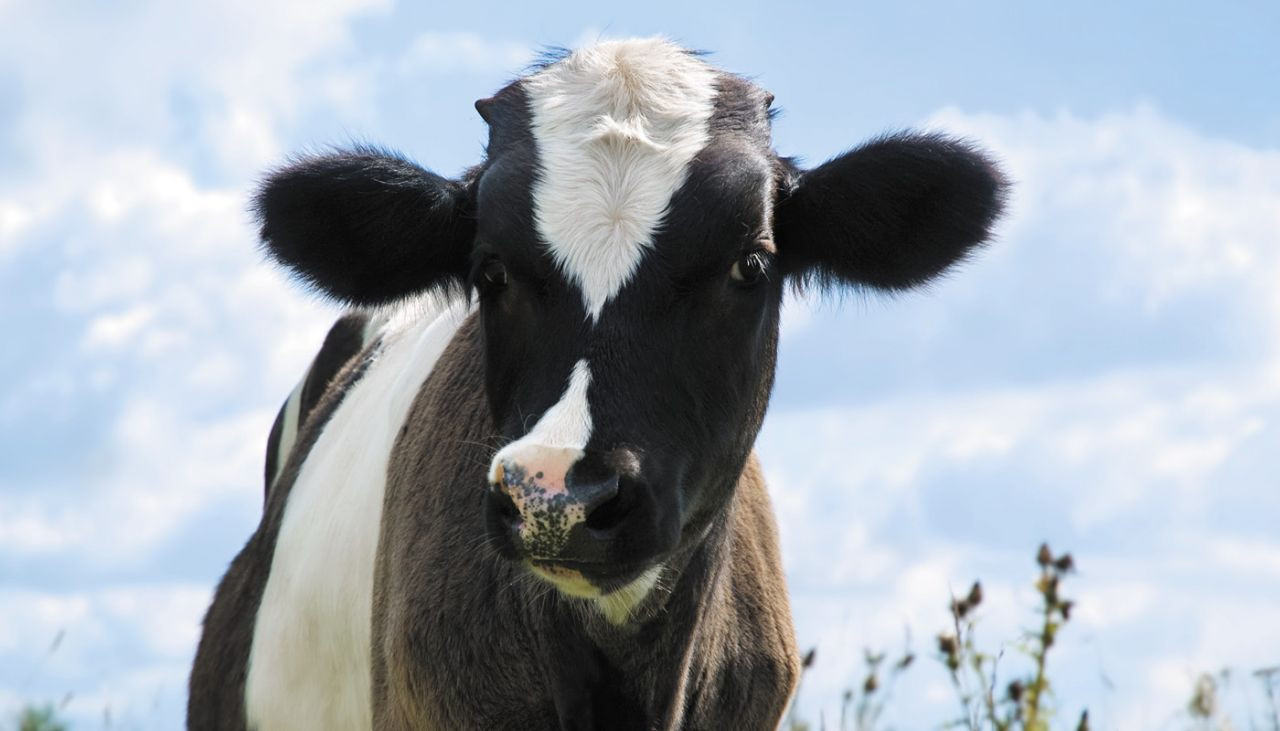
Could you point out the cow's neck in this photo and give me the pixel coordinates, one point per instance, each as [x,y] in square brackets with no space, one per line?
[636,673]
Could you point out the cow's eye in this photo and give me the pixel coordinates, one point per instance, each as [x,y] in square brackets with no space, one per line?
[749,268]
[493,275]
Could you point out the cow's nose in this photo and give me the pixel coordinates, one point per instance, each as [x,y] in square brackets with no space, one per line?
[556,505]
[592,495]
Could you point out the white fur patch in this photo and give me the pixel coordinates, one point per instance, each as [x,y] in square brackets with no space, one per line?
[568,422]
[616,125]
[309,667]
[566,425]
[289,427]
[292,422]
[618,606]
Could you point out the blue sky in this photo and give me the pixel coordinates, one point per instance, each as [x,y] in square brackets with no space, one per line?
[1105,376]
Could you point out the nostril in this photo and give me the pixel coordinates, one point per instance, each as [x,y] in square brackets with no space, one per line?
[608,514]
[597,488]
[505,507]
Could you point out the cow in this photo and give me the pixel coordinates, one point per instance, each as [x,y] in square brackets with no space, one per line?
[527,497]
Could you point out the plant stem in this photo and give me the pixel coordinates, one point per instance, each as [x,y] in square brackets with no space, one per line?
[1041,653]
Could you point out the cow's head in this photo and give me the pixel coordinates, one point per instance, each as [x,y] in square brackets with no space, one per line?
[628,238]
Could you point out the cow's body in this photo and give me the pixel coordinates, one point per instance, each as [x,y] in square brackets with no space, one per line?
[527,497]
[479,645]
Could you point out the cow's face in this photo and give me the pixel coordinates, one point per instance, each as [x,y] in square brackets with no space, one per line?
[625,266]
[627,239]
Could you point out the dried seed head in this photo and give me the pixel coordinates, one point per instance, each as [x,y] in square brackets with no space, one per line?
[975,594]
[1044,556]
[870,684]
[1065,608]
[1015,691]
[1065,564]
[807,661]
[950,651]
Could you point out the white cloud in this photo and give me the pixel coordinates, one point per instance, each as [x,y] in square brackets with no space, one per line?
[165,469]
[443,53]
[13,218]
[244,66]
[158,269]
[1101,606]
[194,339]
[797,315]
[123,650]
[1254,557]
[1185,213]
[164,281]
[171,287]
[1153,471]
[170,342]
[115,329]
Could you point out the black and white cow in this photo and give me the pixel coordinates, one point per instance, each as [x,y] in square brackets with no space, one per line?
[527,499]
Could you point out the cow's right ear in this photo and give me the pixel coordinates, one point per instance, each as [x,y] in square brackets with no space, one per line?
[366,227]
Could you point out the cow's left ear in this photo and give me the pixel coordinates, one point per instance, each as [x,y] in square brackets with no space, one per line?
[891,214]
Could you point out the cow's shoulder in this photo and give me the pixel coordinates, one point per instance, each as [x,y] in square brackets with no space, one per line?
[348,337]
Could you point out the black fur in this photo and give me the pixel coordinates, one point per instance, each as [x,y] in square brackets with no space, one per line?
[365,226]
[271,466]
[891,214]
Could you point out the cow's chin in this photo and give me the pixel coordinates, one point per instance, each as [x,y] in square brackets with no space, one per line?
[617,594]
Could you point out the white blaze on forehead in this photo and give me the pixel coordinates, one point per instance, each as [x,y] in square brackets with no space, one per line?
[616,126]
[566,425]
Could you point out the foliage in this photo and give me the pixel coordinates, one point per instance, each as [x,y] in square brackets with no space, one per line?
[39,718]
[1024,703]
[862,707]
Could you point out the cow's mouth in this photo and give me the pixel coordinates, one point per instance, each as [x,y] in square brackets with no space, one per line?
[589,579]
